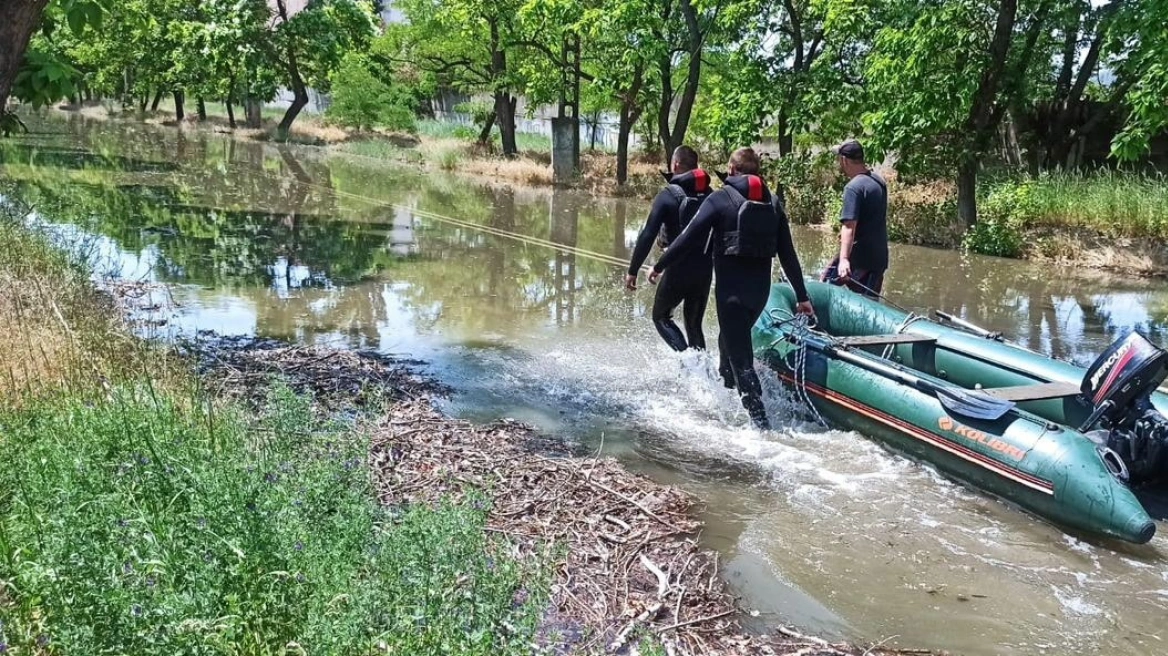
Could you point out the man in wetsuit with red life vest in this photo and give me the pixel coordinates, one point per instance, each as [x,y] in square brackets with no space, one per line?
[689,281]
[743,227]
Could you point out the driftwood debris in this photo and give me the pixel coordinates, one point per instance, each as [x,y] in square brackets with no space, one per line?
[631,562]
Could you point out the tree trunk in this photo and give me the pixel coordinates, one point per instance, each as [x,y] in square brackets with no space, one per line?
[230,102]
[142,104]
[504,103]
[21,18]
[673,137]
[786,138]
[253,113]
[201,107]
[300,98]
[967,192]
[300,92]
[485,133]
[630,112]
[179,110]
[505,113]
[157,99]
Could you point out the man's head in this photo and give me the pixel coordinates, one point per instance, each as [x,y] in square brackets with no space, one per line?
[684,159]
[850,156]
[744,161]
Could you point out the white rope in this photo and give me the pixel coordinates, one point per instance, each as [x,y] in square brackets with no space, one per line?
[908,321]
[801,331]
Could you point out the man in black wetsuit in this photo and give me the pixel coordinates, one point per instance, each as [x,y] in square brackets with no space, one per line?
[744,228]
[688,282]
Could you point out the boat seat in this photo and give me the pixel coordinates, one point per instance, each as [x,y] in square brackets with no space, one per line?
[1036,392]
[881,340]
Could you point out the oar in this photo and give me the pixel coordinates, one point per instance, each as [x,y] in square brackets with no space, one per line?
[973,328]
[955,399]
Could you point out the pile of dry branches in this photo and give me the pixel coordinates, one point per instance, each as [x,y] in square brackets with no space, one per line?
[242,368]
[630,562]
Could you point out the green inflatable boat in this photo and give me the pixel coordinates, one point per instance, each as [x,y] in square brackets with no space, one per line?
[1065,443]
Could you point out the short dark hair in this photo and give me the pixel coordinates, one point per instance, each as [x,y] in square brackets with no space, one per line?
[745,161]
[685,156]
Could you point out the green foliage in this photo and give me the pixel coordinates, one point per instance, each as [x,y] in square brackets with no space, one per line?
[322,34]
[1002,221]
[146,524]
[1141,41]
[1111,203]
[44,79]
[364,101]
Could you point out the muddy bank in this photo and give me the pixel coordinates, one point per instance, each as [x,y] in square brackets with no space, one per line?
[627,558]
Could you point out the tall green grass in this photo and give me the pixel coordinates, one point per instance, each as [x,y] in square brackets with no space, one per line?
[144,524]
[1114,203]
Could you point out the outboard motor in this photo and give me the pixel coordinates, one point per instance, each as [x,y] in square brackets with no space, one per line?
[1118,386]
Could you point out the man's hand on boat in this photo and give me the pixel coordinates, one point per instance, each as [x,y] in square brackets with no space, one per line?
[843,270]
[805,308]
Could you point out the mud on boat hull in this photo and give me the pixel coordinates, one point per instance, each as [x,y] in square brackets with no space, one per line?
[1038,463]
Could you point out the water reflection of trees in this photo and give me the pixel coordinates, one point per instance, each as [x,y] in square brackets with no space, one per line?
[1069,315]
[263,219]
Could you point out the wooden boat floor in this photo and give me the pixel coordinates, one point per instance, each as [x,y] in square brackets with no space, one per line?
[1039,392]
[881,340]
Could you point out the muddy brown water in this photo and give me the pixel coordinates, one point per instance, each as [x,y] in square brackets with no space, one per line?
[512,295]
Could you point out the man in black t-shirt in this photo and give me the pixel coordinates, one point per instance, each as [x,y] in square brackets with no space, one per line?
[863,255]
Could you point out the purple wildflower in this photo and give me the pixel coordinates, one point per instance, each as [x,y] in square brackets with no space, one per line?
[128,567]
[43,640]
[3,647]
[136,611]
[251,506]
[271,477]
[201,522]
[519,598]
[150,581]
[299,546]
[300,578]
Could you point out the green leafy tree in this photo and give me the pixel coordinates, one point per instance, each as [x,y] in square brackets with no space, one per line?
[42,77]
[468,45]
[311,43]
[945,81]
[1141,39]
[363,100]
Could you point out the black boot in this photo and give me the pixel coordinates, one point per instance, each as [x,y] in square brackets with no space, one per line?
[724,368]
[751,389]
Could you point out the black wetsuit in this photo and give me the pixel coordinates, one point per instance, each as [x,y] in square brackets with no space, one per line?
[742,284]
[687,282]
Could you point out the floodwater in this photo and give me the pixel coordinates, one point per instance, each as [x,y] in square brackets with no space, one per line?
[512,296]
